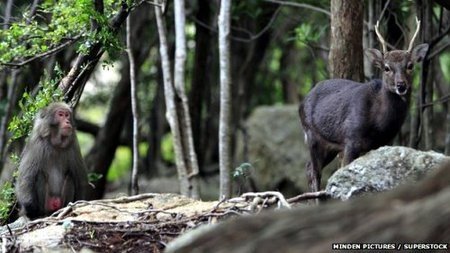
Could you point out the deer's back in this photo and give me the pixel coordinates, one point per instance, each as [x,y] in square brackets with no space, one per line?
[333,107]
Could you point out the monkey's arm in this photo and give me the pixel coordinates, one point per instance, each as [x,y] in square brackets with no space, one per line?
[30,177]
[78,171]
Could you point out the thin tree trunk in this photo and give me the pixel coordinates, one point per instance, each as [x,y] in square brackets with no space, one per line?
[225,100]
[134,110]
[200,84]
[427,76]
[187,187]
[102,153]
[7,16]
[421,121]
[179,83]
[156,123]
[373,13]
[11,89]
[443,90]
[447,126]
[11,101]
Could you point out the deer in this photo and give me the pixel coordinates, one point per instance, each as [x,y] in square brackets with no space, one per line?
[350,118]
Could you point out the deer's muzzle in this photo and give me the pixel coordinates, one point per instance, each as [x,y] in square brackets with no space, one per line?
[401,88]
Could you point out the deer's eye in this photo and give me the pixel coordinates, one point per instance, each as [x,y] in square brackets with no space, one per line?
[386,68]
[410,66]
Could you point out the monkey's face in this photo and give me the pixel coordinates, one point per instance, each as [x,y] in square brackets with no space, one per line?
[63,119]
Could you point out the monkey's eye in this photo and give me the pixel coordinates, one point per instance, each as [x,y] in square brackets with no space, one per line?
[386,68]
[410,66]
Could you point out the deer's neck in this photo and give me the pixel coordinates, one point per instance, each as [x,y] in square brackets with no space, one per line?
[391,107]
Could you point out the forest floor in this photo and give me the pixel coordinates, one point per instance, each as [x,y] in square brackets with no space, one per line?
[141,223]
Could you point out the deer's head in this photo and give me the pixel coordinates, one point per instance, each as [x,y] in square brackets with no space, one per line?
[397,65]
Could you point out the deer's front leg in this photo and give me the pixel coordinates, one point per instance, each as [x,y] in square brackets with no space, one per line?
[351,152]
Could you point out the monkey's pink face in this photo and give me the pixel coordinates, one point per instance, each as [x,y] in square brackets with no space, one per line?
[63,118]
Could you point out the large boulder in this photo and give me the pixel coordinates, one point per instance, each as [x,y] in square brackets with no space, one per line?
[276,149]
[381,170]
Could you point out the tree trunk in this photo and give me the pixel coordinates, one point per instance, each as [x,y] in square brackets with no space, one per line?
[11,102]
[101,155]
[7,17]
[427,76]
[184,154]
[373,13]
[134,111]
[200,85]
[289,86]
[73,83]
[414,213]
[187,143]
[225,100]
[346,53]
[156,123]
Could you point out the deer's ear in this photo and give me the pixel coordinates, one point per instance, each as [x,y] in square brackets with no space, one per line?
[419,52]
[375,57]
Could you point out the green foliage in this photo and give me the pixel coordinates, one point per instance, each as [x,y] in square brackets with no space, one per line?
[15,158]
[30,104]
[93,177]
[120,165]
[251,8]
[70,19]
[7,199]
[167,152]
[307,33]
[444,60]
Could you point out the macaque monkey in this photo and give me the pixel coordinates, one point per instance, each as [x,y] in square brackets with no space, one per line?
[52,172]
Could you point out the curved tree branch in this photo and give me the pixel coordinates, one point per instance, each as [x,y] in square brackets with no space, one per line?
[73,83]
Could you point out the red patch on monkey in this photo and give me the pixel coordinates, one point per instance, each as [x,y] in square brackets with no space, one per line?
[54,203]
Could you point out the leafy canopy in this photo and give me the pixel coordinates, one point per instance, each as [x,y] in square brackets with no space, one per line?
[54,23]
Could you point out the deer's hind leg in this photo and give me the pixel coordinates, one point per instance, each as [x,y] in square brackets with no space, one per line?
[321,156]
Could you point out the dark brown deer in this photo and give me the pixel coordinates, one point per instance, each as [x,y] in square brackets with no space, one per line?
[351,118]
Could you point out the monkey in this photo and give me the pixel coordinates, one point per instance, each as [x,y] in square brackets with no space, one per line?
[52,172]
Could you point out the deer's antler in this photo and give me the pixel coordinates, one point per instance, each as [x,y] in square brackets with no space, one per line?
[380,38]
[411,43]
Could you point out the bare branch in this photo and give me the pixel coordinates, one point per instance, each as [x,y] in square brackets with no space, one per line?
[84,65]
[308,195]
[134,109]
[32,12]
[300,5]
[281,200]
[42,55]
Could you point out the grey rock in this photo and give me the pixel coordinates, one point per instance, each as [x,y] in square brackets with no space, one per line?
[381,170]
[276,149]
